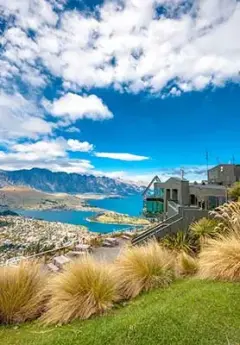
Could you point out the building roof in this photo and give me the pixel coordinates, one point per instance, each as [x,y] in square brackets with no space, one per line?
[223,165]
[177,179]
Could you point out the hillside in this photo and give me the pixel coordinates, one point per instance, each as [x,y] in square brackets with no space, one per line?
[22,197]
[189,312]
[48,181]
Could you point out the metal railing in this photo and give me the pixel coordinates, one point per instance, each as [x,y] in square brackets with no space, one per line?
[151,232]
[50,253]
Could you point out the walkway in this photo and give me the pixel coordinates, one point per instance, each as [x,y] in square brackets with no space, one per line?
[109,254]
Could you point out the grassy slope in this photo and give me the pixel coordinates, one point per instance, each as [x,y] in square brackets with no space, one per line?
[189,312]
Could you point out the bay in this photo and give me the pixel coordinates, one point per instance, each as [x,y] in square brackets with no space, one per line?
[130,205]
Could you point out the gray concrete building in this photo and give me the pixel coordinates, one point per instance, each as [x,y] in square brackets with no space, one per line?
[186,194]
[224,174]
[176,203]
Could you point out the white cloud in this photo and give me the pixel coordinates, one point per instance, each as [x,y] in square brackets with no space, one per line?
[121,156]
[41,149]
[148,51]
[79,146]
[125,45]
[49,154]
[183,47]
[16,161]
[20,117]
[30,13]
[72,129]
[79,107]
[191,173]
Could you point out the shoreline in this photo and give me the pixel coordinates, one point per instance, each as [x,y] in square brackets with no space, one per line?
[80,209]
[24,198]
[92,196]
[116,218]
[127,224]
[23,236]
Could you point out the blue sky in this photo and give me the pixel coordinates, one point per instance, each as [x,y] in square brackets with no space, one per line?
[126,89]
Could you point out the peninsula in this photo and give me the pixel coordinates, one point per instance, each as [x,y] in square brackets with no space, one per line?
[118,218]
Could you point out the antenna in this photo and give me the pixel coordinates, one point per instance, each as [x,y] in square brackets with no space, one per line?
[207,161]
[182,174]
[233,159]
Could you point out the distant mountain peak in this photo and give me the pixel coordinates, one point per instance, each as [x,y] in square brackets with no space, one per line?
[48,181]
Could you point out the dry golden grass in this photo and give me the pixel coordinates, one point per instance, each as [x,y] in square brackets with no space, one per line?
[186,264]
[84,288]
[144,268]
[22,293]
[220,258]
[228,217]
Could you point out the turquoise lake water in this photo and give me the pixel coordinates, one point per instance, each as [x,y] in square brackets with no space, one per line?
[130,205]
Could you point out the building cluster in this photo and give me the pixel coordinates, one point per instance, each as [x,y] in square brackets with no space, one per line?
[180,192]
[21,236]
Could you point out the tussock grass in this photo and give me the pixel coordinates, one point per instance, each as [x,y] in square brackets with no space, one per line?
[181,241]
[204,228]
[85,288]
[186,264]
[228,217]
[144,268]
[220,258]
[22,293]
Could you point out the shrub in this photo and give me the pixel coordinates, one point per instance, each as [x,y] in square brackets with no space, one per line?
[179,242]
[186,264]
[144,268]
[96,241]
[234,191]
[21,292]
[84,288]
[220,258]
[204,228]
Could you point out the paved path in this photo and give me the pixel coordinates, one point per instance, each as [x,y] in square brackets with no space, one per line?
[109,254]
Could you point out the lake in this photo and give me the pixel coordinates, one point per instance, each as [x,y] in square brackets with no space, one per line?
[131,205]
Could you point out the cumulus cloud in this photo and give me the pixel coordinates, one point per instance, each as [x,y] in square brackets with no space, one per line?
[40,149]
[162,44]
[79,146]
[79,107]
[50,154]
[14,161]
[72,129]
[163,47]
[20,117]
[121,156]
[30,13]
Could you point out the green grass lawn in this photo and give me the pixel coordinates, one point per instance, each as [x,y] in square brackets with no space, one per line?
[190,312]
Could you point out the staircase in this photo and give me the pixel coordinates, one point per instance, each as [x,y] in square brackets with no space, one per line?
[180,217]
[159,230]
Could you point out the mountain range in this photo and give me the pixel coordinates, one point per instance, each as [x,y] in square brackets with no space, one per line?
[61,182]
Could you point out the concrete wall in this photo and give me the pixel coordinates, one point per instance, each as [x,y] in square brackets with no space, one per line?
[182,187]
[202,191]
[191,215]
[175,188]
[173,209]
[222,174]
[185,192]
[187,216]
[237,172]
